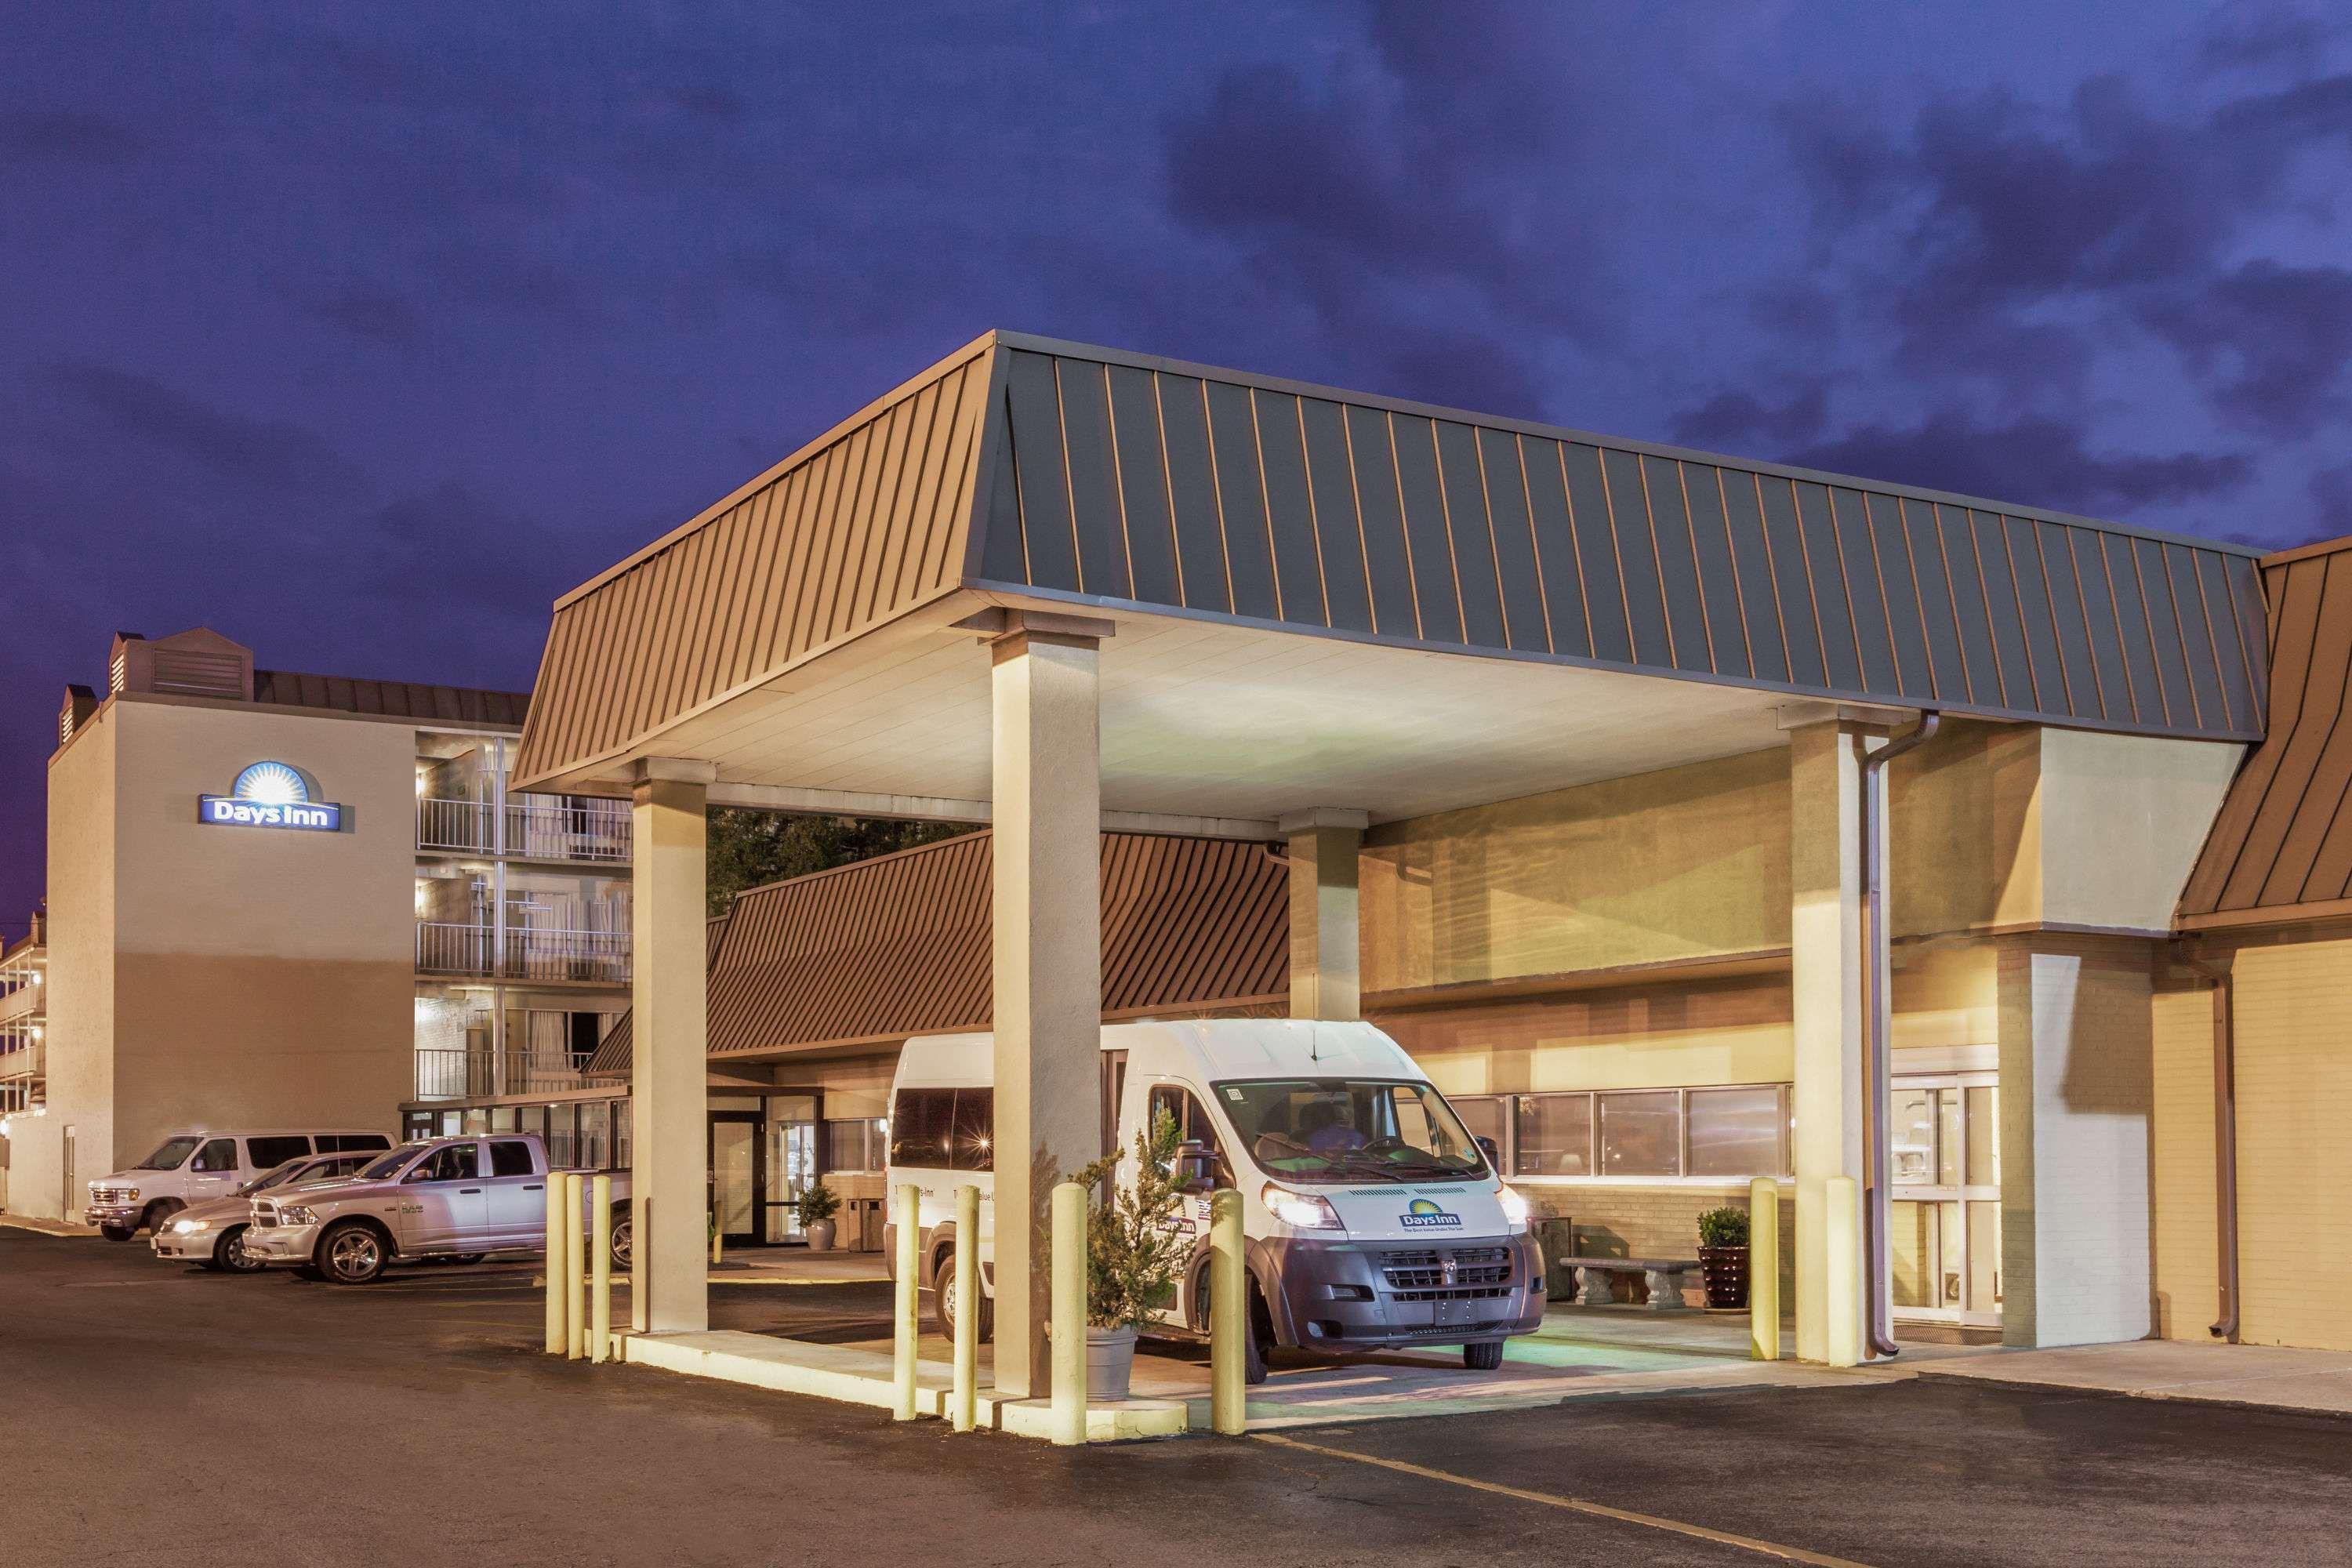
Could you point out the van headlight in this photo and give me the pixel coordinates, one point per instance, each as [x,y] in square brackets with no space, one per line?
[1302,1211]
[190,1227]
[1515,1209]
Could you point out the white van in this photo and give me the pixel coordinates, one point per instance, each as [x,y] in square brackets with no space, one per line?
[198,1164]
[1374,1220]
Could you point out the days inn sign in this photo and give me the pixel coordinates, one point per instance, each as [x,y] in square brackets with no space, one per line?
[270,794]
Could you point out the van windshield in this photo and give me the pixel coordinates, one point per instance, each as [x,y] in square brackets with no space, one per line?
[1351,1130]
[170,1156]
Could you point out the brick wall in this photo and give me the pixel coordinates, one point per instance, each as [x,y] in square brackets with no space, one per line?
[1614,1221]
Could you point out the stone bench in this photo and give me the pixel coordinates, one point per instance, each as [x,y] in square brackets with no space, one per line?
[1662,1275]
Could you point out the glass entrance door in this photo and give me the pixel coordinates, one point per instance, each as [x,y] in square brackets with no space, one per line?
[736,1175]
[1944,1217]
[792,1161]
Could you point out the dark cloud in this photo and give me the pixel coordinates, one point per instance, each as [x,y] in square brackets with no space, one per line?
[262,455]
[1739,418]
[2271,342]
[66,136]
[2029,460]
[379,317]
[450,544]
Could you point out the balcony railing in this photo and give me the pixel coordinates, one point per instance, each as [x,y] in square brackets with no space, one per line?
[22,1056]
[530,953]
[450,1073]
[537,828]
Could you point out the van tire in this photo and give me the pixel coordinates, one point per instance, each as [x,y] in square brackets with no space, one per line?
[117,1232]
[1483,1355]
[1261,1334]
[159,1215]
[943,1292]
[354,1252]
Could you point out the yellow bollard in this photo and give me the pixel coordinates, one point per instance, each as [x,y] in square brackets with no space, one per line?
[1840,1229]
[963,1409]
[600,1269]
[575,1327]
[1764,1269]
[556,1330]
[717,1242]
[1069,1314]
[905,1310]
[1228,1316]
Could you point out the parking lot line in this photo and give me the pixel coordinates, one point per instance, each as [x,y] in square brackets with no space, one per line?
[1575,1505]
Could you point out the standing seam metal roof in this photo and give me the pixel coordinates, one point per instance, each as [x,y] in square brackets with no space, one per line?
[1062,471]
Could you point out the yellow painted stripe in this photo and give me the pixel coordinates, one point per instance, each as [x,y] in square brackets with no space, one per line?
[1575,1505]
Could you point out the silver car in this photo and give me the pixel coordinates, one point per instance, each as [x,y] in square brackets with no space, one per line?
[213,1233]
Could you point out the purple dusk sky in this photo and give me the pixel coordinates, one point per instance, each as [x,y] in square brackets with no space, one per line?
[358,333]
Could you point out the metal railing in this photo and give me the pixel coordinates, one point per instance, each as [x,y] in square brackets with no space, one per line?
[536,827]
[530,953]
[451,1073]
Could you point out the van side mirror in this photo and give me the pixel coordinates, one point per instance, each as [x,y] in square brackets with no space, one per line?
[1493,1150]
[1196,1168]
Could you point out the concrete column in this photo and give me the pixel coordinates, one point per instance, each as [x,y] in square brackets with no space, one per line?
[2077,1090]
[1825,989]
[1047,814]
[1326,957]
[668,1110]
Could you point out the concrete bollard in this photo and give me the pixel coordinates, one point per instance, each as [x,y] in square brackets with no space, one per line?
[1764,1269]
[600,1269]
[717,1242]
[963,1407]
[1228,1316]
[1069,1314]
[556,1328]
[1840,1229]
[575,1218]
[905,1316]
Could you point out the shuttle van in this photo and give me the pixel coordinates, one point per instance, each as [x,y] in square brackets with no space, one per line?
[1374,1221]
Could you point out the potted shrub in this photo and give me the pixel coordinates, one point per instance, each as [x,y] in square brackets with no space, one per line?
[1134,1253]
[817,1208]
[1723,1257]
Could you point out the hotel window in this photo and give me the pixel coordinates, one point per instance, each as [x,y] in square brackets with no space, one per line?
[1485,1116]
[852,1146]
[1722,1133]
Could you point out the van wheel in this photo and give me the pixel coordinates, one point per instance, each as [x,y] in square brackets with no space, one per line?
[1261,1335]
[943,1292]
[117,1232]
[159,1215]
[351,1253]
[229,1253]
[1484,1356]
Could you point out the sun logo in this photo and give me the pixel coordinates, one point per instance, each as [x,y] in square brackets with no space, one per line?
[271,783]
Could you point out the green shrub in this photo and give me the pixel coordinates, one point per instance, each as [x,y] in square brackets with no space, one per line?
[818,1203]
[1723,1227]
[1136,1246]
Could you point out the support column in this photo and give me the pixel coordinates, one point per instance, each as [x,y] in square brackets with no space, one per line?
[1326,955]
[1826,991]
[668,1105]
[1047,815]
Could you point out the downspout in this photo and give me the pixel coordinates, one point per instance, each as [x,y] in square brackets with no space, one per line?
[1878,1334]
[2225,1137]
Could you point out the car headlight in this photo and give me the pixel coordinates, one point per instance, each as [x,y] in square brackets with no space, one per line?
[1303,1211]
[297,1214]
[190,1227]
[1515,1209]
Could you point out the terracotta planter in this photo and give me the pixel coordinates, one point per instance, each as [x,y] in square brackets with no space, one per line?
[1724,1271]
[820,1236]
[1111,1361]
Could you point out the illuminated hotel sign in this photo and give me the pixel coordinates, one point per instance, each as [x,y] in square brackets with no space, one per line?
[270,794]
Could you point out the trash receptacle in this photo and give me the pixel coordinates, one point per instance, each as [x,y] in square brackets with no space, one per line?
[1557,1238]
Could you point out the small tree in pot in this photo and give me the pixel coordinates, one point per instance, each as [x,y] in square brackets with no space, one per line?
[817,1208]
[1136,1248]
[1723,1255]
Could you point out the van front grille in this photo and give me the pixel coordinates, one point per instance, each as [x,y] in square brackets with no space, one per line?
[1432,1273]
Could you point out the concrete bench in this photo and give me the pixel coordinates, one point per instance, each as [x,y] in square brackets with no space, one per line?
[1662,1275]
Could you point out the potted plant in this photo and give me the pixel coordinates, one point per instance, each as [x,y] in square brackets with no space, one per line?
[817,1206]
[1134,1252]
[1723,1257]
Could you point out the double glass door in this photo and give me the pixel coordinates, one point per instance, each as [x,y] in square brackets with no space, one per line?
[1944,1209]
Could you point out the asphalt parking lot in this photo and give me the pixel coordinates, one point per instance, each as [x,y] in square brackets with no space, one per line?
[155,1412]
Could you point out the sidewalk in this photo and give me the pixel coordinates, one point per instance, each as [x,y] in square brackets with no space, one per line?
[796,1265]
[46,1226]
[2268,1377]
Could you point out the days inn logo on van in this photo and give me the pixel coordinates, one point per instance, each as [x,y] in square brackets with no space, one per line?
[1423,1215]
[270,794]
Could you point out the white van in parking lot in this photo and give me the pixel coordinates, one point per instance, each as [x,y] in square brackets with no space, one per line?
[1374,1220]
[198,1164]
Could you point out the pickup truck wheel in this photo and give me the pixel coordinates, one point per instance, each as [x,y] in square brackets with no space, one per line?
[351,1253]
[229,1253]
[624,1236]
[943,1292]
[466,1259]
[1484,1356]
[117,1232]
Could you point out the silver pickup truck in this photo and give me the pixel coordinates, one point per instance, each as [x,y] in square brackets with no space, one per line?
[457,1198]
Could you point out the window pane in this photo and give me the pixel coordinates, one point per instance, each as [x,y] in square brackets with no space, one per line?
[510,1157]
[1912,1253]
[268,1151]
[845,1145]
[1481,1113]
[972,1145]
[1984,1137]
[559,1137]
[1640,1135]
[220,1154]
[595,1134]
[1554,1135]
[1911,1135]
[1949,1142]
[1735,1132]
[920,1122]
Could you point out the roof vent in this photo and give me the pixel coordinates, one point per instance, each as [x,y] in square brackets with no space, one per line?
[198,663]
[74,712]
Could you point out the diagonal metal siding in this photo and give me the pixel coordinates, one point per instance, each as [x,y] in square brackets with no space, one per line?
[1160,485]
[854,529]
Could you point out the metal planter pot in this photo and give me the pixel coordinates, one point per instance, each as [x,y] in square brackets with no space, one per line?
[1110,1363]
[1725,1272]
